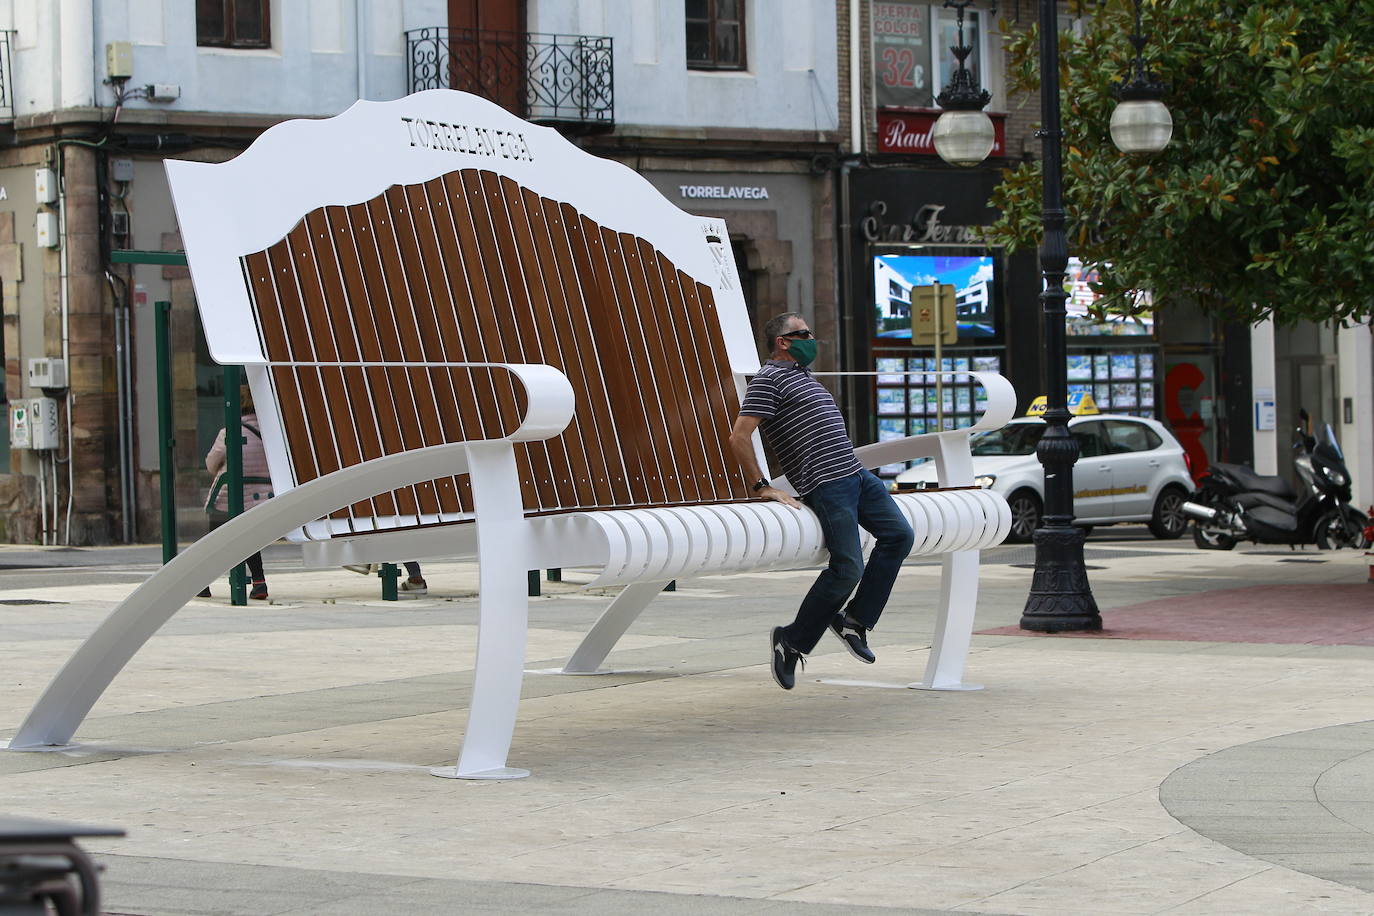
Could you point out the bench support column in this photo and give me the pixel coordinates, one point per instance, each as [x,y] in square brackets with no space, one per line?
[502,548]
[954,625]
[610,626]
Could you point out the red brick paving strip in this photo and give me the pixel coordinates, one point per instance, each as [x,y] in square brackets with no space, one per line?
[1319,615]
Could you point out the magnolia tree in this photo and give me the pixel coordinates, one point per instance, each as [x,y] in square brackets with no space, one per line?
[1263,204]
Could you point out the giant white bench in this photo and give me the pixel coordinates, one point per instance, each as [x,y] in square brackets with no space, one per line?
[453,323]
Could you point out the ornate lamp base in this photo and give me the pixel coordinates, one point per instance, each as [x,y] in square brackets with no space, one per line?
[1060,598]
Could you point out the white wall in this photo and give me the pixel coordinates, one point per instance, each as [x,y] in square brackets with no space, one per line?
[311,68]
[1262,381]
[1356,349]
[791,82]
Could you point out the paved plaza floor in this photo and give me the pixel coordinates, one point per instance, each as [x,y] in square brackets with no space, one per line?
[1212,752]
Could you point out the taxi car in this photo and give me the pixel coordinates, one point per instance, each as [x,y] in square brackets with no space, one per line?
[1129,469]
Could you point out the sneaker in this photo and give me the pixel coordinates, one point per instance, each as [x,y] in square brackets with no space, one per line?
[785,660]
[854,637]
[258,592]
[414,587]
[362,569]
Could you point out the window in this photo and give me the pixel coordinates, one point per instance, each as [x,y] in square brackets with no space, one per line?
[715,34]
[233,24]
[943,62]
[1125,436]
[1089,436]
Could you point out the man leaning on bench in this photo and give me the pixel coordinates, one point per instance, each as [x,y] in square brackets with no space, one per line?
[449,349]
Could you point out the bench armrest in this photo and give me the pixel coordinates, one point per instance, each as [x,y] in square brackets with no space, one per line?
[949,448]
[550,400]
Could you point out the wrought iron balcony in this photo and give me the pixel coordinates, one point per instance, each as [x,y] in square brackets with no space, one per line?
[541,77]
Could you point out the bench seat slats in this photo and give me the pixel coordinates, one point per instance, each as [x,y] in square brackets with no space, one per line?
[438,400]
[365,443]
[472,267]
[563,309]
[663,339]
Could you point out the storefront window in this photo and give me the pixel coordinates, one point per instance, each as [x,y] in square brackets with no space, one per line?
[906,73]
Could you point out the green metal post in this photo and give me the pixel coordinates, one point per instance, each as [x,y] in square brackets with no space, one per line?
[166,434]
[233,472]
[390,572]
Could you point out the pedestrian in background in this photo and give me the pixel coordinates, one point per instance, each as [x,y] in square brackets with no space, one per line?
[257,485]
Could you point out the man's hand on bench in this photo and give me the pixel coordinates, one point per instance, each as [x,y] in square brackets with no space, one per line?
[787,499]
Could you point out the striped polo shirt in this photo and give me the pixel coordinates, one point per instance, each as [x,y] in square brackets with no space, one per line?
[802,423]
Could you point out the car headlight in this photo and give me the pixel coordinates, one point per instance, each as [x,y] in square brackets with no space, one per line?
[985,480]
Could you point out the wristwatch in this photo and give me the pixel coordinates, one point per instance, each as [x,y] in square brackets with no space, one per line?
[760,484]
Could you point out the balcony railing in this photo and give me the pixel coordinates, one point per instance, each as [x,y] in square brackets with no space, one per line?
[542,77]
[6,81]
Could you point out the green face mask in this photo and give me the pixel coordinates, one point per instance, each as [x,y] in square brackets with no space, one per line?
[803,351]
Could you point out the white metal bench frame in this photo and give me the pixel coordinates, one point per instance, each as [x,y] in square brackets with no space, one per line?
[230,210]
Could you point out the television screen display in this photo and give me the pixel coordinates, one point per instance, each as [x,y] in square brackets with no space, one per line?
[975,293]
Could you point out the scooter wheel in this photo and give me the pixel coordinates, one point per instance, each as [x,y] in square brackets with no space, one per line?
[1343,527]
[1212,540]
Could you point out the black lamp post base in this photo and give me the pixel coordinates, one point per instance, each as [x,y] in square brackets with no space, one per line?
[1060,598]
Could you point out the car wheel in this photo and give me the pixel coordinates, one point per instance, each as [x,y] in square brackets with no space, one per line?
[1207,539]
[1168,521]
[1025,516]
[1343,527]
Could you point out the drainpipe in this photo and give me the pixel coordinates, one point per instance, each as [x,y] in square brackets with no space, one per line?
[360,46]
[856,145]
[856,110]
[76,67]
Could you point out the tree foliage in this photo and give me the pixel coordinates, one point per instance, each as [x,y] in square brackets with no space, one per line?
[1263,203]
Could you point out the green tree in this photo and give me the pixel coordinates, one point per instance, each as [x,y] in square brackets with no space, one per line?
[1263,203]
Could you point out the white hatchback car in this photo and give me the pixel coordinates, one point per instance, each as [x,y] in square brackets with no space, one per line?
[1129,469]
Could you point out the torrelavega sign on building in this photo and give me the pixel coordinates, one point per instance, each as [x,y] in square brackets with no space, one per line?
[924,226]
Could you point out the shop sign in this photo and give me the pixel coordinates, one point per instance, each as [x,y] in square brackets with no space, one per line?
[909,132]
[723,192]
[924,226]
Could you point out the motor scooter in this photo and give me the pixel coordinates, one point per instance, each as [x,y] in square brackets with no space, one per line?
[1232,503]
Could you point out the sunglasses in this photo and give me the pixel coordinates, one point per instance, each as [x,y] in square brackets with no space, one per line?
[803,334]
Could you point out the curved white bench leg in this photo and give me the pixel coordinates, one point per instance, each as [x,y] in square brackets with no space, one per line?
[610,626]
[503,559]
[69,698]
[954,625]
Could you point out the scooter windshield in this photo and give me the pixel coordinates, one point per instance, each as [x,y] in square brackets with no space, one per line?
[1331,443]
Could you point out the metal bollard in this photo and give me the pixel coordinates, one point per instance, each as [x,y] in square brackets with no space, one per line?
[389,574]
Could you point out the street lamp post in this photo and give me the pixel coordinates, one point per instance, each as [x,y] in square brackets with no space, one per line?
[1060,597]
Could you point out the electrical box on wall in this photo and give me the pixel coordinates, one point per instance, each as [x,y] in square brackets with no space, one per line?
[45,229]
[119,60]
[47,372]
[33,424]
[42,423]
[163,92]
[122,169]
[45,186]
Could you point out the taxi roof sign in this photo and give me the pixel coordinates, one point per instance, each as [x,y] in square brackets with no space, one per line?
[1081,404]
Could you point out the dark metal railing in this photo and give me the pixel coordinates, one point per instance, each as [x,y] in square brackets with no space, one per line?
[541,77]
[6,81]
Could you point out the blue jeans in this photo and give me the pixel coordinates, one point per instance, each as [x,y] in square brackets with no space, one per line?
[842,506]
